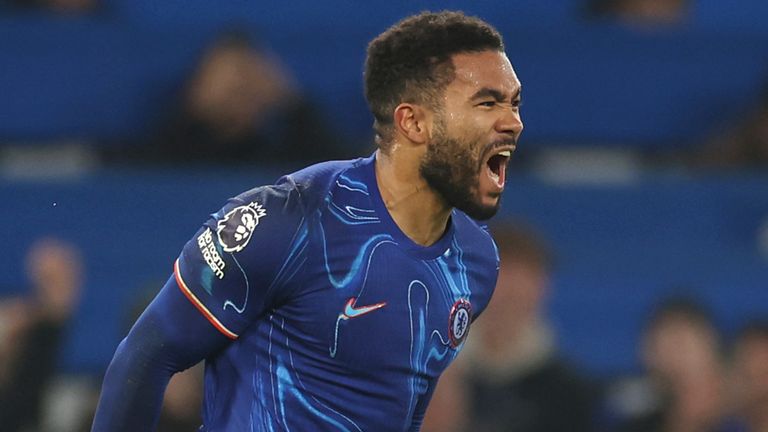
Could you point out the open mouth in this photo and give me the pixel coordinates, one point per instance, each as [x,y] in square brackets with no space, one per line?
[497,166]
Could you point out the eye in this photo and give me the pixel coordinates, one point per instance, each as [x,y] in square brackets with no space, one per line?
[487,104]
[517,103]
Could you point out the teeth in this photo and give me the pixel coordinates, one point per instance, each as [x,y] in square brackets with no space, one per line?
[506,153]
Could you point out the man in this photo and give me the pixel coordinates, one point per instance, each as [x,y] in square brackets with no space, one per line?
[33,328]
[240,106]
[333,299]
[684,387]
[749,386]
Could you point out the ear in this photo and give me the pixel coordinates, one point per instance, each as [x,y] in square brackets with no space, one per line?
[413,121]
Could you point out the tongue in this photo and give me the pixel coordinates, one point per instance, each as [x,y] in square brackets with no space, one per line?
[497,170]
[501,170]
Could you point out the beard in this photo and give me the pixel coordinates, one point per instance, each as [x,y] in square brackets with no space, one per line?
[452,168]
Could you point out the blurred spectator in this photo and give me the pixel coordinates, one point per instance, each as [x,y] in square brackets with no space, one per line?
[642,12]
[240,107]
[750,377]
[32,329]
[684,389]
[183,401]
[510,376]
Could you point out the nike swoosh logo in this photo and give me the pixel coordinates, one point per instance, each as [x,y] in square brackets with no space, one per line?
[350,311]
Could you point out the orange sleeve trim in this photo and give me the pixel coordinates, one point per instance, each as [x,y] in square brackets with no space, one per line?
[199,305]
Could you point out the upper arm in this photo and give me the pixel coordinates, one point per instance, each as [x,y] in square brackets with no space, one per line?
[224,276]
[229,268]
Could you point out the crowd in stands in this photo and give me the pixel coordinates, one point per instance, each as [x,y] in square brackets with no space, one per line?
[511,375]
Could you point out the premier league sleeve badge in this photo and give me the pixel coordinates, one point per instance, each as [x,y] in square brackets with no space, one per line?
[234,231]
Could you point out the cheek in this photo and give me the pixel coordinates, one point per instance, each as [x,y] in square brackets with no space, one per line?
[461,123]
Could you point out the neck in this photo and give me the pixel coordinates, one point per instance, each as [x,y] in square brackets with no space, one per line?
[419,212]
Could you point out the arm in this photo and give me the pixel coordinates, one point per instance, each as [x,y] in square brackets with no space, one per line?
[226,277]
[170,336]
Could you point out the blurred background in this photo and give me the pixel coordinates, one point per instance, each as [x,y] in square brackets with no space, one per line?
[635,223]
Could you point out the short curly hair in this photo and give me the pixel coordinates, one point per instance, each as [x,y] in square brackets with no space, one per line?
[411,61]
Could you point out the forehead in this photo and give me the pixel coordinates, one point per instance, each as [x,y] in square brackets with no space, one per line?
[485,69]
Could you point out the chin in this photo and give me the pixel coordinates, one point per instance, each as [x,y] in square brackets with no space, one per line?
[487,213]
[481,212]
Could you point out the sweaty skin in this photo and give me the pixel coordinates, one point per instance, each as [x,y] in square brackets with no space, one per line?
[439,159]
[483,105]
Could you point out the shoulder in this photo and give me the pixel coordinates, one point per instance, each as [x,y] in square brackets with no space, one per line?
[476,235]
[313,183]
[299,191]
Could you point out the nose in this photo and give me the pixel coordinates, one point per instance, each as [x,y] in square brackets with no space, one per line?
[509,122]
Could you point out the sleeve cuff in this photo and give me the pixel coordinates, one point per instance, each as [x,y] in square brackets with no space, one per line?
[200,306]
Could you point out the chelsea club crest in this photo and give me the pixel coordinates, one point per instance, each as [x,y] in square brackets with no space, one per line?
[458,321]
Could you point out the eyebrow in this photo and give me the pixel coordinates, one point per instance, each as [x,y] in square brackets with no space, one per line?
[496,94]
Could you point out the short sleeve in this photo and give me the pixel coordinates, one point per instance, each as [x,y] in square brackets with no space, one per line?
[228,268]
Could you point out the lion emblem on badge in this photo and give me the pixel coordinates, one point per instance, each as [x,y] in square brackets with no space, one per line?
[235,230]
[458,321]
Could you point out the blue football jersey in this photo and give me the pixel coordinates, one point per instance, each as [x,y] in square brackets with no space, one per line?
[339,321]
